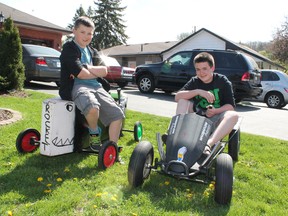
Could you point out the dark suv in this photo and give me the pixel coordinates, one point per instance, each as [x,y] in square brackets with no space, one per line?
[171,74]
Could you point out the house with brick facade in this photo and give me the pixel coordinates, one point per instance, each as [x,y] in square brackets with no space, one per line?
[33,30]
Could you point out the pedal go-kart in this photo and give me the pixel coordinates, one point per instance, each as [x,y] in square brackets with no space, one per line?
[181,155]
[64,131]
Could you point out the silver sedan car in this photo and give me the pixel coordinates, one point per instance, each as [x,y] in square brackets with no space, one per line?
[41,63]
[275,88]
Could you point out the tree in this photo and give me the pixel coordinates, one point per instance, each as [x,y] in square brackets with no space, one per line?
[79,12]
[12,72]
[183,35]
[109,27]
[280,43]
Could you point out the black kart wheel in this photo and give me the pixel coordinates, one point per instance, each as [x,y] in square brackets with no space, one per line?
[108,155]
[140,160]
[28,141]
[274,100]
[146,84]
[234,144]
[224,179]
[138,131]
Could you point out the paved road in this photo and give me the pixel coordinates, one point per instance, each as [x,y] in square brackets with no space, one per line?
[257,117]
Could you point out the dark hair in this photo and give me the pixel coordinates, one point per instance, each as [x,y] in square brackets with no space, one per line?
[83,20]
[204,57]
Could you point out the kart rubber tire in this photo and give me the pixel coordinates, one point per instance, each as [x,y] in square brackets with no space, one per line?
[274,100]
[224,179]
[146,84]
[108,155]
[142,156]
[234,145]
[23,141]
[138,131]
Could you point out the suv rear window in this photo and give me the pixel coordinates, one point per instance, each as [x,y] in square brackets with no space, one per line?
[228,60]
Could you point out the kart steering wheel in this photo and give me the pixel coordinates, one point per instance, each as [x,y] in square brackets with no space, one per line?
[198,109]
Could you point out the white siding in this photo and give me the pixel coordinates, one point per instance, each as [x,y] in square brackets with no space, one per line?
[202,40]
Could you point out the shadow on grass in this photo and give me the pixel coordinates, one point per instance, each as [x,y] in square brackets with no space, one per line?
[24,178]
[167,193]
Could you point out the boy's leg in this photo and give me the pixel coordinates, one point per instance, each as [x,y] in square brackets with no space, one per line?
[224,128]
[184,106]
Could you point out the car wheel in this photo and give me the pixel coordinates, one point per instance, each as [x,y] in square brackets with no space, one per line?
[224,179]
[108,155]
[234,144]
[140,160]
[146,84]
[28,140]
[138,131]
[274,100]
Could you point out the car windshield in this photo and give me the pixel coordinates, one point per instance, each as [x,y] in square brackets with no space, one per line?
[41,50]
[109,61]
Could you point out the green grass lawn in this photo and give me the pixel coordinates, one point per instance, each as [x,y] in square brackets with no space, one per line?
[72,184]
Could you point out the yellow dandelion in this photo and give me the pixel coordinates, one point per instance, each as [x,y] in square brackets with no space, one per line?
[47,191]
[166,182]
[94,206]
[190,195]
[9,213]
[211,186]
[233,192]
[49,185]
[206,194]
[113,198]
[59,180]
[66,169]
[98,194]
[134,214]
[39,179]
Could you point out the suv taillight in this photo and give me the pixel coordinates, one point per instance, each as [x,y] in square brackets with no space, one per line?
[245,77]
[41,61]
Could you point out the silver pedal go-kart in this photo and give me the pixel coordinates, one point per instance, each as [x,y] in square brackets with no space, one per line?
[181,155]
[64,131]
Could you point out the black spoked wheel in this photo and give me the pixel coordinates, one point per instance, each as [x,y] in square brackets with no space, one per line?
[28,141]
[108,155]
[234,144]
[224,179]
[138,131]
[140,160]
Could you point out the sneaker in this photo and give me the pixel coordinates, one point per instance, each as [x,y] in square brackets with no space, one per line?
[95,142]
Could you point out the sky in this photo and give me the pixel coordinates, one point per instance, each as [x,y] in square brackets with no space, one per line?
[150,21]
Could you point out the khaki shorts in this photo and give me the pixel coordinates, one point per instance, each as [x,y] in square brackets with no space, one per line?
[86,98]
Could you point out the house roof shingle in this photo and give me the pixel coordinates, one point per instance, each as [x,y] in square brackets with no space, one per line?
[23,19]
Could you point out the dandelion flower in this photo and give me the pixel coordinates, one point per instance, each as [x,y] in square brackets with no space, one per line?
[49,185]
[211,186]
[59,180]
[98,194]
[166,182]
[39,179]
[134,214]
[66,169]
[190,195]
[206,194]
[113,198]
[94,206]
[9,213]
[47,191]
